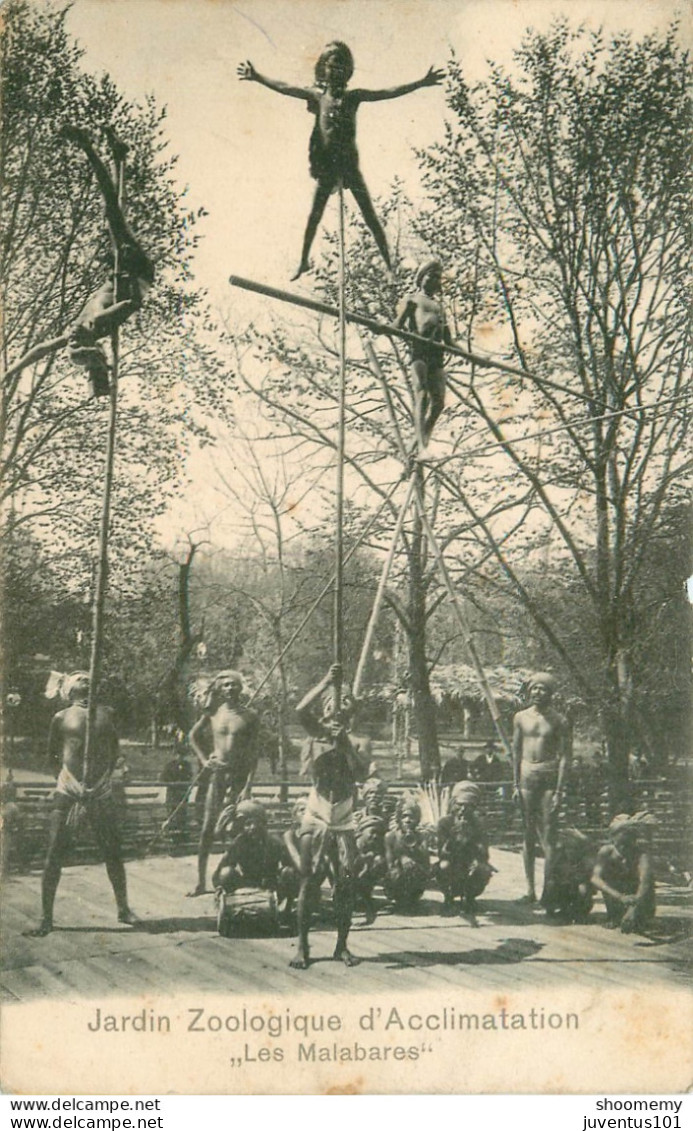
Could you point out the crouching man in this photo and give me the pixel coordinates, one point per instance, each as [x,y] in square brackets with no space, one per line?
[463,868]
[625,876]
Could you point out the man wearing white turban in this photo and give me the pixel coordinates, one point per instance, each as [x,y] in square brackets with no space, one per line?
[82,791]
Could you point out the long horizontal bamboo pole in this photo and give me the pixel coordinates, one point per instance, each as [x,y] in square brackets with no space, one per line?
[369,323]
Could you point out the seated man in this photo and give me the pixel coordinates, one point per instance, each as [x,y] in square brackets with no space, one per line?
[335,763]
[487,767]
[252,855]
[374,799]
[370,866]
[569,894]
[463,866]
[177,777]
[625,876]
[406,857]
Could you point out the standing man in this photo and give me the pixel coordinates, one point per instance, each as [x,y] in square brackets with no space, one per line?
[233,730]
[78,794]
[335,762]
[422,313]
[540,762]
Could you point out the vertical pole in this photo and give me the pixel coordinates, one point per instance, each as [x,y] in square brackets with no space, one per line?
[102,565]
[338,618]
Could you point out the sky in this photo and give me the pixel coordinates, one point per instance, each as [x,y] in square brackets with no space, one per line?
[243,149]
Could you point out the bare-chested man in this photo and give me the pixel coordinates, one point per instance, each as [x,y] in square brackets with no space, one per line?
[540,763]
[333,154]
[234,731]
[76,793]
[335,762]
[624,874]
[421,313]
[108,307]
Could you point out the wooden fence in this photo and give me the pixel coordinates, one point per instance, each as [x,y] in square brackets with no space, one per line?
[143,812]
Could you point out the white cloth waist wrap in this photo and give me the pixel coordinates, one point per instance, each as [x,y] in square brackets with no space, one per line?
[323,815]
[68,785]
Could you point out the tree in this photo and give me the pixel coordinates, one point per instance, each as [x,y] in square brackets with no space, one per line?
[563,188]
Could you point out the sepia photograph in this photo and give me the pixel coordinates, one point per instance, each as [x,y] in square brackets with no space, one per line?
[346,574]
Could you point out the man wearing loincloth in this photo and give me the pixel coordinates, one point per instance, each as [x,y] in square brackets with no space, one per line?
[80,795]
[422,313]
[540,762]
[232,763]
[335,762]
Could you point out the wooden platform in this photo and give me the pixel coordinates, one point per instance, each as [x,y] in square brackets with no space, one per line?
[177,947]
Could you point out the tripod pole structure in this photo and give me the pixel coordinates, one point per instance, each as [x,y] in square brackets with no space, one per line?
[380,593]
[102,566]
[464,626]
[338,615]
[329,586]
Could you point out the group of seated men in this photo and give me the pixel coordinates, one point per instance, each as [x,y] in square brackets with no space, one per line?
[393,851]
[404,858]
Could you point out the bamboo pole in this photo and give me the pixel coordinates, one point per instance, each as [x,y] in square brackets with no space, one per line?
[372,324]
[338,614]
[380,592]
[463,625]
[102,566]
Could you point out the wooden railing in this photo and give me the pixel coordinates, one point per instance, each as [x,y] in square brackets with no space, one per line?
[143,811]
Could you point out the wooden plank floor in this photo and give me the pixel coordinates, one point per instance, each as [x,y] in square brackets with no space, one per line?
[177,947]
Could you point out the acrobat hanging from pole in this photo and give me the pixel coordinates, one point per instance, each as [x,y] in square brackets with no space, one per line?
[122,292]
[115,300]
[333,154]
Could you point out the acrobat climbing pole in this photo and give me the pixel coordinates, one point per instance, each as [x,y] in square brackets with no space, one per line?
[102,566]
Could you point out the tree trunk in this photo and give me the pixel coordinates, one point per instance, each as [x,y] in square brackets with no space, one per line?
[618,723]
